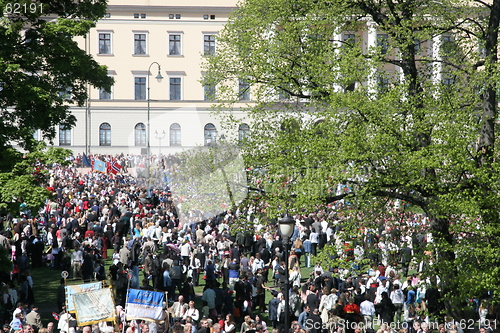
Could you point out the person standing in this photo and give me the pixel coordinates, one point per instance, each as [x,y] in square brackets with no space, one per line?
[209,297]
[398,299]
[34,319]
[273,309]
[76,263]
[367,311]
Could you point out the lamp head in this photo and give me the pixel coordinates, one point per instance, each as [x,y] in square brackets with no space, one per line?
[287,225]
[158,76]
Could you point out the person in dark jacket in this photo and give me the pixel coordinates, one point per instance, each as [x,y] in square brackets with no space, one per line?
[386,309]
[273,309]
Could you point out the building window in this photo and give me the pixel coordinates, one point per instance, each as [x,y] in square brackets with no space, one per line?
[175,134]
[171,16]
[349,39]
[212,17]
[175,88]
[243,90]
[140,134]
[136,15]
[209,92]
[383,84]
[208,44]
[104,43]
[64,136]
[243,132]
[174,44]
[205,17]
[140,88]
[417,46]
[103,94]
[140,44]
[448,45]
[210,134]
[177,16]
[448,81]
[143,16]
[383,43]
[105,134]
[107,15]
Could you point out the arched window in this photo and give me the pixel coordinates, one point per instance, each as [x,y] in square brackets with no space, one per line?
[210,133]
[243,131]
[175,134]
[105,134]
[140,134]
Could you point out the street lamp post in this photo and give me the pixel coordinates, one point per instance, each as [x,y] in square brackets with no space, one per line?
[287,225]
[148,153]
[160,136]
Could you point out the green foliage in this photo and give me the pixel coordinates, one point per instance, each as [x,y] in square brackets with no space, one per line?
[26,181]
[5,263]
[398,134]
[42,68]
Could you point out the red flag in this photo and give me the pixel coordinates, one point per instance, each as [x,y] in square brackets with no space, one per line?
[115,167]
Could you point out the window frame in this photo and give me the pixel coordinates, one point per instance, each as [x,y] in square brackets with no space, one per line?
[110,46]
[175,33]
[170,85]
[214,41]
[244,91]
[135,40]
[175,135]
[212,132]
[383,43]
[104,134]
[136,84]
[243,132]
[348,38]
[142,135]
[64,136]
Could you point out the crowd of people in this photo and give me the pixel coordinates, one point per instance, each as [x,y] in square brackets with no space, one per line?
[92,213]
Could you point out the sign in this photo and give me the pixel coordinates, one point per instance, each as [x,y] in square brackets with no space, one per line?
[79,288]
[94,306]
[144,304]
[64,274]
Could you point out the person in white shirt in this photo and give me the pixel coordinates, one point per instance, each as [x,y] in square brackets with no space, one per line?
[383,287]
[367,310]
[257,263]
[398,299]
[192,312]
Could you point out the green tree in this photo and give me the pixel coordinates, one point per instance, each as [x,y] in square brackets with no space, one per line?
[42,69]
[26,183]
[43,72]
[328,111]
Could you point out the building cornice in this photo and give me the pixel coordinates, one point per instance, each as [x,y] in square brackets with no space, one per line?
[169,9]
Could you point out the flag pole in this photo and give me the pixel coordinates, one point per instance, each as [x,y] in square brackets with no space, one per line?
[126,300]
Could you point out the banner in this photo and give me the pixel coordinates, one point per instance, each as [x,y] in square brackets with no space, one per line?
[144,304]
[94,306]
[79,288]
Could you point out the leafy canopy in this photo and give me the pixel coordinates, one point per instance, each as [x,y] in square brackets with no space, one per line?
[404,112]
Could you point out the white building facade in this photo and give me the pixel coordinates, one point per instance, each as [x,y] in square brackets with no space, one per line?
[137,40]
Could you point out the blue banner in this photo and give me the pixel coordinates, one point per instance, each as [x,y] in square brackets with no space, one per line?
[144,304]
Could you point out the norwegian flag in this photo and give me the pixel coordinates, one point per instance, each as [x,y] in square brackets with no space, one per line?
[115,167]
